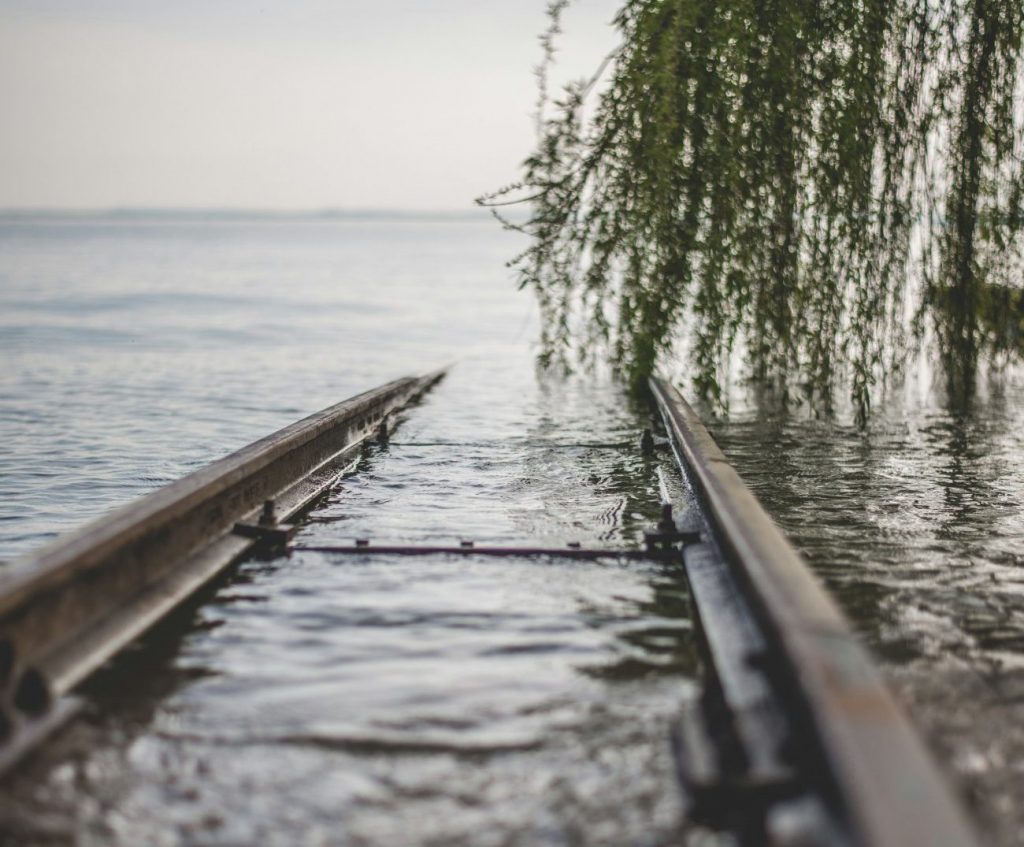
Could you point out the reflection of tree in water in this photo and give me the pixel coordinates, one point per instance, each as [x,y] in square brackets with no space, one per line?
[816,479]
[906,516]
[780,181]
[965,446]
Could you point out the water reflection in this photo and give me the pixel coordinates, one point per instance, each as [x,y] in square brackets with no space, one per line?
[916,526]
[913,523]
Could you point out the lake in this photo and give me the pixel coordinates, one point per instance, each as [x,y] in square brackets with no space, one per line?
[430,701]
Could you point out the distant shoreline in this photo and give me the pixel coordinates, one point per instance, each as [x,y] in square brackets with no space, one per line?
[239,215]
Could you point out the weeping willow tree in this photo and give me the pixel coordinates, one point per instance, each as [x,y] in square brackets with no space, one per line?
[811,187]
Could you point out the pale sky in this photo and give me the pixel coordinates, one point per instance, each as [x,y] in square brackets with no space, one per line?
[284,104]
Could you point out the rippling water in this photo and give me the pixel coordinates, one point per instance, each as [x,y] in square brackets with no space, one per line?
[318,700]
[135,352]
[345,700]
[917,526]
[393,700]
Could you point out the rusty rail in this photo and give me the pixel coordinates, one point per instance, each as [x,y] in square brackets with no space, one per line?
[804,707]
[68,607]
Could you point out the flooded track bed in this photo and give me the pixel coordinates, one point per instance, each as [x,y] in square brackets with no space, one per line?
[424,700]
[137,351]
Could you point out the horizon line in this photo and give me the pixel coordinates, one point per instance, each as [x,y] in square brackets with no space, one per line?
[230,212]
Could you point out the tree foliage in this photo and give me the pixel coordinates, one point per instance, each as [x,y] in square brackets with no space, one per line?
[808,185]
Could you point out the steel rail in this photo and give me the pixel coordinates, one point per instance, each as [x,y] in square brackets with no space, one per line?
[68,607]
[877,771]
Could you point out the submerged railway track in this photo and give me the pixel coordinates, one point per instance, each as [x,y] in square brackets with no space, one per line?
[793,739]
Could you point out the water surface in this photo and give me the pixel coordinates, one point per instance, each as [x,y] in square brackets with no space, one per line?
[917,527]
[317,701]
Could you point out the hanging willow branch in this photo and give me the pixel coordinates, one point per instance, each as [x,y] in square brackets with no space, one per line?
[778,180]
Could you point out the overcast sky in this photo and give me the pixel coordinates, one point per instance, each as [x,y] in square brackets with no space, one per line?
[287,104]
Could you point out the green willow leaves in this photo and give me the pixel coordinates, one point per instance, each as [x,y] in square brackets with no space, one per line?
[806,186]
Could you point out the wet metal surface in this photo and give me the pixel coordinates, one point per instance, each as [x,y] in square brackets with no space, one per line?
[801,693]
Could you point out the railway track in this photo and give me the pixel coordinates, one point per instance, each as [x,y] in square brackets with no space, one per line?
[67,608]
[793,739]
